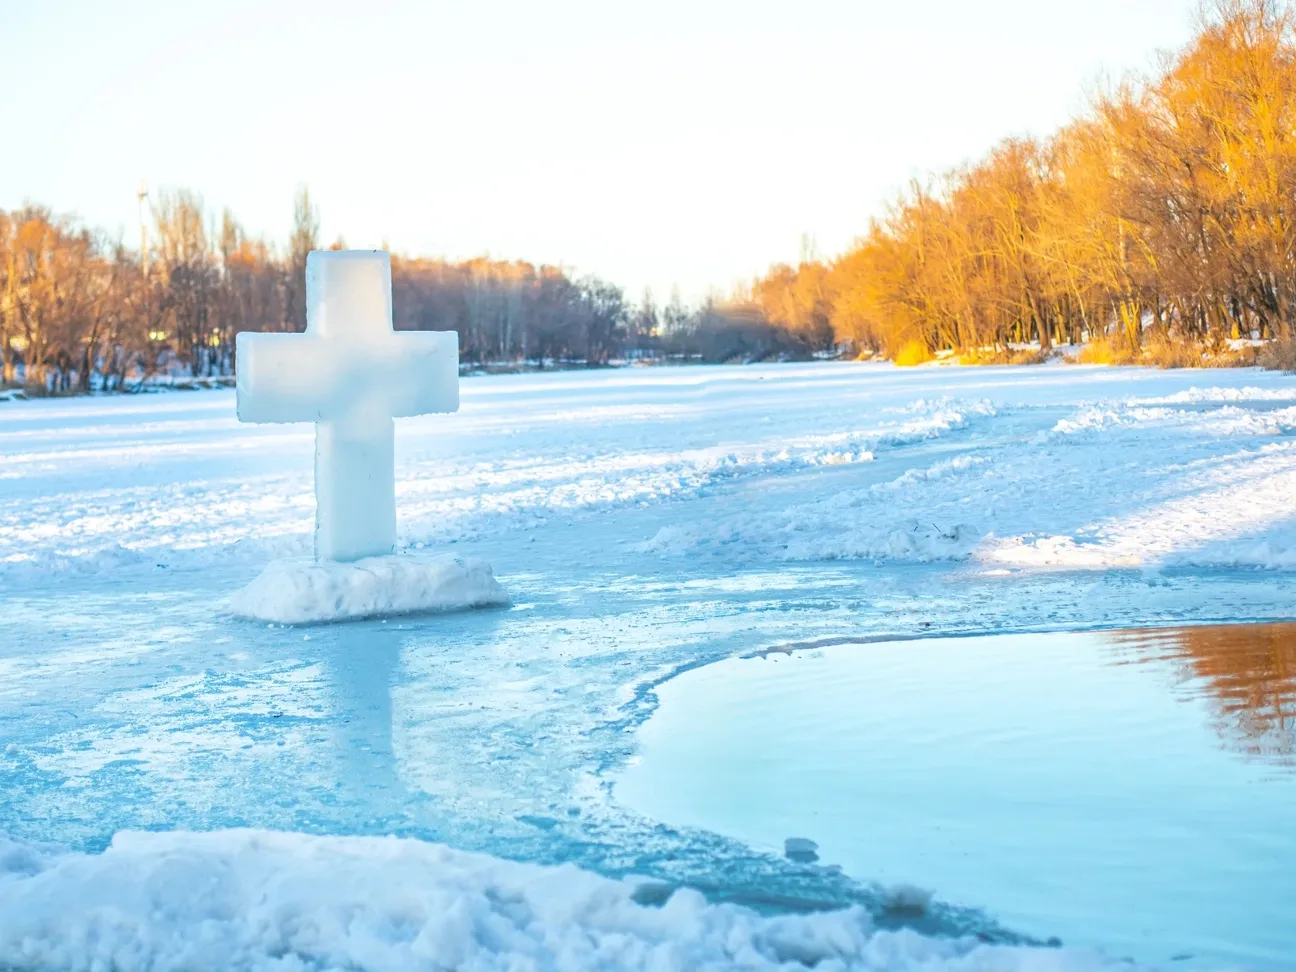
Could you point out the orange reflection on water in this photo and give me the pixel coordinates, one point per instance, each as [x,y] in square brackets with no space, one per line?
[1248,669]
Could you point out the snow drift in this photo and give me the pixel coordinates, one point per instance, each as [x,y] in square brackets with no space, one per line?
[301,591]
[261,900]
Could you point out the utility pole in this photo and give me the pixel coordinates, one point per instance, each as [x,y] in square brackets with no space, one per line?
[142,194]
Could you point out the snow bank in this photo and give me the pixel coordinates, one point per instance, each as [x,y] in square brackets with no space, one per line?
[1206,481]
[1139,544]
[302,591]
[1228,421]
[260,900]
[1195,395]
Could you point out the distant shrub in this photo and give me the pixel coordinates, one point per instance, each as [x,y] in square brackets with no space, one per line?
[981,356]
[1108,350]
[912,353]
[1029,356]
[1162,350]
[1004,356]
[1165,351]
[1279,355]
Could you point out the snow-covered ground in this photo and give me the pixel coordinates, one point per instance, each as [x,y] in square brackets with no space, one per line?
[260,900]
[643,521]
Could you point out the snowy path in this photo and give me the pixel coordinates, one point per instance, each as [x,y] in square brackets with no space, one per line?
[644,521]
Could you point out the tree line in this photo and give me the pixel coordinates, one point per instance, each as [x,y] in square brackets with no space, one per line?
[81,311]
[1165,217]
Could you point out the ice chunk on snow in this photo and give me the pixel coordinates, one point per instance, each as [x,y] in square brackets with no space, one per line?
[23,858]
[302,591]
[259,900]
[801,849]
[900,899]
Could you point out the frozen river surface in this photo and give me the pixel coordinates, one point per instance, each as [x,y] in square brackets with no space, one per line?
[645,522]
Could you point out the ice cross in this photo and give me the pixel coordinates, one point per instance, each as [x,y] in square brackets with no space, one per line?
[351,375]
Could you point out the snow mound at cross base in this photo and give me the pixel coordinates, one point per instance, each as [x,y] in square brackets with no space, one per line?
[301,591]
[261,901]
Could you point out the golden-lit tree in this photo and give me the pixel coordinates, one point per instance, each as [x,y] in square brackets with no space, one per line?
[1166,214]
[799,300]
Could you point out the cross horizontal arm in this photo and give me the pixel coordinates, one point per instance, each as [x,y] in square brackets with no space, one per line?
[312,378]
[422,372]
[282,377]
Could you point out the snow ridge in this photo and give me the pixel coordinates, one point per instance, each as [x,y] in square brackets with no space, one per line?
[208,522]
[1110,486]
[264,901]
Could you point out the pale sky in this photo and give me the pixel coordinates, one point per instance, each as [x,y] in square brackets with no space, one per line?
[689,143]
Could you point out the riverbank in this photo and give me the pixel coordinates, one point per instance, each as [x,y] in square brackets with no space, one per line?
[1164,355]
